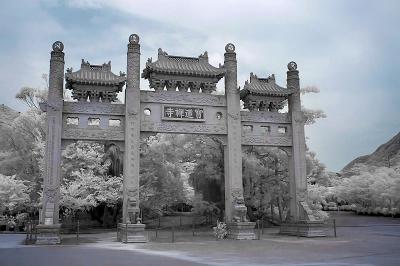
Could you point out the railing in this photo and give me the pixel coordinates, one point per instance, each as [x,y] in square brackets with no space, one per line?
[31,231]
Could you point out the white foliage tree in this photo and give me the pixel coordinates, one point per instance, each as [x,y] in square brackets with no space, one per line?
[13,193]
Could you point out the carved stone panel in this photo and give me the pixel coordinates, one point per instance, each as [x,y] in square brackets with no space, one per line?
[94,108]
[92,134]
[186,127]
[178,97]
[263,140]
[265,117]
[182,113]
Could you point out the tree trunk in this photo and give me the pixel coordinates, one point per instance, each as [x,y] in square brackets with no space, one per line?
[272,212]
[105,215]
[279,208]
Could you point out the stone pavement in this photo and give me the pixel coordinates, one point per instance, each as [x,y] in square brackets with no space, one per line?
[361,240]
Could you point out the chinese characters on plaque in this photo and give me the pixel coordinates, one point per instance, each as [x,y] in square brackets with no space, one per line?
[182,113]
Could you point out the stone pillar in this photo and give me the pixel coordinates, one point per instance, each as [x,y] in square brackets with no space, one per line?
[131,226]
[297,161]
[300,220]
[235,210]
[49,227]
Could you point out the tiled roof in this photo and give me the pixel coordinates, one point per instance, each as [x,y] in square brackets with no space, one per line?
[191,66]
[95,75]
[263,86]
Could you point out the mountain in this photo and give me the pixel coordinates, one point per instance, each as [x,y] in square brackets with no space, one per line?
[387,155]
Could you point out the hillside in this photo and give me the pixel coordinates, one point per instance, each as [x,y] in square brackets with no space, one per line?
[387,155]
[7,115]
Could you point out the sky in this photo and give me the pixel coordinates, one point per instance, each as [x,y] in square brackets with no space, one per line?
[346,48]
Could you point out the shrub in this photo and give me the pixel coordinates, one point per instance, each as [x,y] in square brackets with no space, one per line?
[220,231]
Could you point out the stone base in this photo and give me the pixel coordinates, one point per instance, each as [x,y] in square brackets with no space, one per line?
[241,230]
[48,234]
[303,228]
[131,233]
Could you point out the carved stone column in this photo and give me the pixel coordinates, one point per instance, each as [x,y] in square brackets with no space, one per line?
[131,229]
[235,210]
[49,227]
[300,220]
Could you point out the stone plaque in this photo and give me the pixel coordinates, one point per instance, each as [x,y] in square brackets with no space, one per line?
[183,113]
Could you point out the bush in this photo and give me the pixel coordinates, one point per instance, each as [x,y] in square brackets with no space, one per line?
[220,231]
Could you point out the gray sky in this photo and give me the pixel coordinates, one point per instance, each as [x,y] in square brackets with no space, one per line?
[346,48]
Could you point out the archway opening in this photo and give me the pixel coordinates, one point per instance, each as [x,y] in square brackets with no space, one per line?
[181,175]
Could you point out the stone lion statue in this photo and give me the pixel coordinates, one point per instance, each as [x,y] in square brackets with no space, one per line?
[239,209]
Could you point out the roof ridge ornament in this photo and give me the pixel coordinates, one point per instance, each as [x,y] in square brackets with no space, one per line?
[162,53]
[58,46]
[134,39]
[230,48]
[204,56]
[292,66]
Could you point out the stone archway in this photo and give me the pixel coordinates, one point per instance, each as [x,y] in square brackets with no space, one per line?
[182,102]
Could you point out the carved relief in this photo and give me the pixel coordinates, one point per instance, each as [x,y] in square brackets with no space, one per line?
[176,127]
[182,97]
[132,195]
[50,194]
[264,116]
[92,134]
[266,140]
[94,108]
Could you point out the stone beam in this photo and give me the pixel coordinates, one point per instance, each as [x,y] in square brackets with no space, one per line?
[265,117]
[183,128]
[93,108]
[177,97]
[74,133]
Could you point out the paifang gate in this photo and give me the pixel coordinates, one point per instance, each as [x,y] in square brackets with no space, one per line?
[182,102]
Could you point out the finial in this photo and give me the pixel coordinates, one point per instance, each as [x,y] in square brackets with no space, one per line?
[292,66]
[134,39]
[58,46]
[161,52]
[230,48]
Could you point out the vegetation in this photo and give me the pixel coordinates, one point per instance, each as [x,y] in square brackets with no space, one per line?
[178,169]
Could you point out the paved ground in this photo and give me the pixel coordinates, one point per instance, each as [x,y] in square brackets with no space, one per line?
[361,240]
